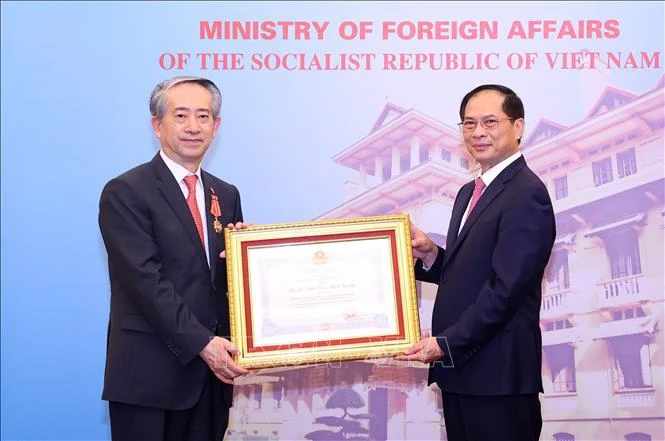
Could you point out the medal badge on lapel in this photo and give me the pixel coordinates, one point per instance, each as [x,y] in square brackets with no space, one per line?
[216,211]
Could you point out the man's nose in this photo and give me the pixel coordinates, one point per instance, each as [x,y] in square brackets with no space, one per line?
[479,131]
[192,124]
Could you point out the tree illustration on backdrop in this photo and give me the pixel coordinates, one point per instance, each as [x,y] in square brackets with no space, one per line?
[350,425]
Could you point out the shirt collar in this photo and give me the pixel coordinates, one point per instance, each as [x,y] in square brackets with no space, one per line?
[179,172]
[493,172]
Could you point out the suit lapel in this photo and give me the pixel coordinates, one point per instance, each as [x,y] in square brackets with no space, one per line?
[458,211]
[171,191]
[214,238]
[490,193]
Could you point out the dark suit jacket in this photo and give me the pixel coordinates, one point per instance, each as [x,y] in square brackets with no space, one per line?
[487,308]
[166,302]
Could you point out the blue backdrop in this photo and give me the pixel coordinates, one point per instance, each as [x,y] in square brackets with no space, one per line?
[76,78]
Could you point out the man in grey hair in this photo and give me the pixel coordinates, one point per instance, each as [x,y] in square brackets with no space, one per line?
[169,367]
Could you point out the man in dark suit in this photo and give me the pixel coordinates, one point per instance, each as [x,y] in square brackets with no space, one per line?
[169,371]
[485,350]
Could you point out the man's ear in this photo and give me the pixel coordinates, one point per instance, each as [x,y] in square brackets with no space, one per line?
[156,125]
[519,126]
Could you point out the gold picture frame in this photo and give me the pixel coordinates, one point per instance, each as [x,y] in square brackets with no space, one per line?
[321,291]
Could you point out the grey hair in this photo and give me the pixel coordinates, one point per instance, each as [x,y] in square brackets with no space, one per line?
[158,100]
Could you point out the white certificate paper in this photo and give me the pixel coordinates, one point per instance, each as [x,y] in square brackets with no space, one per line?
[333,290]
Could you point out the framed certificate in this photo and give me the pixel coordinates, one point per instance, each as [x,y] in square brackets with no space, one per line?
[321,291]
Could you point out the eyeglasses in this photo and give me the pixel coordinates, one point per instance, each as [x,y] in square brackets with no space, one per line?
[489,123]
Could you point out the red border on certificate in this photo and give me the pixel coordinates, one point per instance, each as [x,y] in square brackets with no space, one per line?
[249,329]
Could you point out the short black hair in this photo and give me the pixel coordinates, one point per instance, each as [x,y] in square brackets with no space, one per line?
[512,104]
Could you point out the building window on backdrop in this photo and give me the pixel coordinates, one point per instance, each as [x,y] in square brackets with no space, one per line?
[624,282]
[623,251]
[557,276]
[632,362]
[561,362]
[446,156]
[626,164]
[602,171]
[561,187]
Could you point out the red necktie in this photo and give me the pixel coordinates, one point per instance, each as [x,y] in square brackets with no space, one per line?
[190,182]
[477,191]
